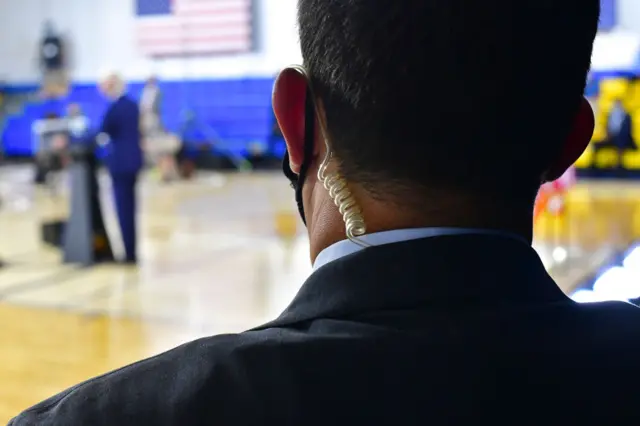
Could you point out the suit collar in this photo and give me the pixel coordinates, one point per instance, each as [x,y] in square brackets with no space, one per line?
[448,272]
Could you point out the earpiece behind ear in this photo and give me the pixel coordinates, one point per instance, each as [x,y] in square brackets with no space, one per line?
[576,143]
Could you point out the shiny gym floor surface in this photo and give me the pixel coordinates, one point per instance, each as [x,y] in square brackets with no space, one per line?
[219,253]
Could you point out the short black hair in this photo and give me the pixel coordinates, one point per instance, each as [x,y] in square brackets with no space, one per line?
[473,95]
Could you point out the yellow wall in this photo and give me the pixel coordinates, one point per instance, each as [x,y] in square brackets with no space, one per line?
[612,91]
[595,214]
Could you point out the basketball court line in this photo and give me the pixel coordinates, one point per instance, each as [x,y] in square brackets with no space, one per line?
[147,294]
[149,316]
[40,281]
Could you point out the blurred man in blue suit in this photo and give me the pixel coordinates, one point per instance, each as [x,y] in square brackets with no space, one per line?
[121,124]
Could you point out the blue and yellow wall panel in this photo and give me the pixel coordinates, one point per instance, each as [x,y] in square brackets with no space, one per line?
[600,156]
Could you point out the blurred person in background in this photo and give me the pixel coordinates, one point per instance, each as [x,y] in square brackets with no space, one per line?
[620,123]
[78,122]
[52,136]
[52,62]
[158,144]
[121,125]
[427,304]
[150,107]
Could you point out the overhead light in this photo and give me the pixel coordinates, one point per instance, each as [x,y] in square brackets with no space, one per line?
[559,254]
[588,296]
[616,283]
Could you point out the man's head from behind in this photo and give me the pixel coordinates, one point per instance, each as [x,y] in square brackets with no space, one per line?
[455,98]
[111,84]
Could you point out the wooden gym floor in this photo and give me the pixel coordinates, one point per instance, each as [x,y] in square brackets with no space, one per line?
[220,253]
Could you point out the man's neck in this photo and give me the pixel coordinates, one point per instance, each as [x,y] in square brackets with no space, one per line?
[379,216]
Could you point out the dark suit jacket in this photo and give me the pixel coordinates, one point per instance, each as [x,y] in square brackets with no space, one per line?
[122,123]
[440,331]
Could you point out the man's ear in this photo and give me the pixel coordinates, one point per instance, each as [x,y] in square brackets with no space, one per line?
[575,144]
[289,96]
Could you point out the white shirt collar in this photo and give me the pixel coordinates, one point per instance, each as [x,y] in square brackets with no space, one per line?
[346,247]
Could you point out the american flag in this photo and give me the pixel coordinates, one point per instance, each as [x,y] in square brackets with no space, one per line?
[180,27]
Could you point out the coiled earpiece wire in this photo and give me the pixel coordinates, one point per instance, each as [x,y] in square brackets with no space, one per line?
[335,184]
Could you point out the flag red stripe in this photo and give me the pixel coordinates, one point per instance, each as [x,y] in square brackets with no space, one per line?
[207,48]
[177,25]
[208,39]
[198,26]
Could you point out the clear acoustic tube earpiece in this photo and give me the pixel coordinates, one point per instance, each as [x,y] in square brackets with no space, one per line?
[336,185]
[339,192]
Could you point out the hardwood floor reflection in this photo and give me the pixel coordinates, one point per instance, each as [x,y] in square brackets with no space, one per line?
[601,218]
[220,254]
[44,350]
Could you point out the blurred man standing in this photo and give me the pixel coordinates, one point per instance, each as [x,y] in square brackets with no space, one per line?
[159,145]
[150,103]
[77,121]
[121,124]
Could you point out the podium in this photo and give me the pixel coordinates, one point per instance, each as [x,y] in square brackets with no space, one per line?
[85,240]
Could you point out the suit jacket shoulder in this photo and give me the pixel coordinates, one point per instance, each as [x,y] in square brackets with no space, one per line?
[189,385]
[126,104]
